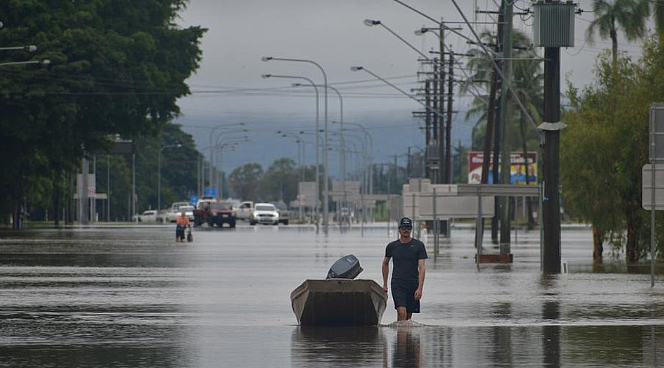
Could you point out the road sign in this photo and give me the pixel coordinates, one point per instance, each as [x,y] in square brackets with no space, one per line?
[646,187]
[656,135]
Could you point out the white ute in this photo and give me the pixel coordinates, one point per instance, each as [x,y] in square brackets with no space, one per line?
[264,213]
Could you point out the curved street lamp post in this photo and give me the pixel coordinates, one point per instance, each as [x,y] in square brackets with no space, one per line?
[212,151]
[342,158]
[317,204]
[228,143]
[326,190]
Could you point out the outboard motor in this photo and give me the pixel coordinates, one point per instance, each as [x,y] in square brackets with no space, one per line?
[347,267]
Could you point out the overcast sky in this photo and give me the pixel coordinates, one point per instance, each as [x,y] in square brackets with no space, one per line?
[228,87]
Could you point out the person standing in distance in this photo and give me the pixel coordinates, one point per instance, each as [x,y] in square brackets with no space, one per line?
[182,224]
[409,267]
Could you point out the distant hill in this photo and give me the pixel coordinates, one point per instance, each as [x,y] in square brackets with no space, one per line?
[392,132]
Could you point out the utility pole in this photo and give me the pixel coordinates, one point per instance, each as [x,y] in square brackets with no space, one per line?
[490,121]
[448,128]
[554,28]
[396,174]
[437,169]
[83,199]
[442,164]
[551,160]
[443,134]
[496,123]
[408,165]
[505,117]
[427,124]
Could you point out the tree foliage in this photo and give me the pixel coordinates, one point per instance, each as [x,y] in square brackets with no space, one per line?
[117,68]
[606,144]
[614,15]
[528,82]
[280,181]
[245,181]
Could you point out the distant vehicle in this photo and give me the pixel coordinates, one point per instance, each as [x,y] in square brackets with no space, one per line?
[188,210]
[146,216]
[346,215]
[284,215]
[213,212]
[176,211]
[264,213]
[244,211]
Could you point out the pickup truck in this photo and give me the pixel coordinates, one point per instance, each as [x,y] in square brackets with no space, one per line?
[213,212]
[147,216]
[244,211]
[264,213]
[176,211]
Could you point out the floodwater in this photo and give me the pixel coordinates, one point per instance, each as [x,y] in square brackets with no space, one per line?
[129,296]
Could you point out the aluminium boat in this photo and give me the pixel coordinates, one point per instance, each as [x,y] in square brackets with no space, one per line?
[339,300]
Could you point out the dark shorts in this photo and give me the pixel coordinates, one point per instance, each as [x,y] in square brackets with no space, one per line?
[179,232]
[403,294]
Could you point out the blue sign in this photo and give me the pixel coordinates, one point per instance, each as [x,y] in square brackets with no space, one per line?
[211,192]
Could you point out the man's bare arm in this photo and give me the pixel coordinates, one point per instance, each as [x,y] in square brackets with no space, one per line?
[421,268]
[386,271]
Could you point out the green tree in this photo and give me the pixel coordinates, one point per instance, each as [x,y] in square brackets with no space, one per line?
[612,16]
[528,80]
[658,13]
[460,164]
[481,71]
[602,151]
[280,181]
[246,181]
[117,67]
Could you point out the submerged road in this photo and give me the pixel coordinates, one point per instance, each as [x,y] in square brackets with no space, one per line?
[129,296]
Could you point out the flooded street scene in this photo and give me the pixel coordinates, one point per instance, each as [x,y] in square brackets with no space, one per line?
[130,296]
[316,183]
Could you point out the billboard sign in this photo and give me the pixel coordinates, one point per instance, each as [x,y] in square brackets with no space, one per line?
[517,168]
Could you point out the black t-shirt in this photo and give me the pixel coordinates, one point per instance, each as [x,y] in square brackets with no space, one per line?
[405,257]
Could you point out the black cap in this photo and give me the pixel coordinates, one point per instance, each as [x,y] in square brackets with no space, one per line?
[405,223]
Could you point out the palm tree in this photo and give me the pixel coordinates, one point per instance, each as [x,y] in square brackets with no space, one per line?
[658,14]
[528,75]
[628,15]
[481,70]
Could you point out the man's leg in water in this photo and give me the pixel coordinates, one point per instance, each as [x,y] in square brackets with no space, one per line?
[401,314]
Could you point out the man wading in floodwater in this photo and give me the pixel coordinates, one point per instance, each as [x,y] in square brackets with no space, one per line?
[409,259]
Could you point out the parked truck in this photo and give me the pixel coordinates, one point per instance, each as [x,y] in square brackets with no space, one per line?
[244,211]
[213,212]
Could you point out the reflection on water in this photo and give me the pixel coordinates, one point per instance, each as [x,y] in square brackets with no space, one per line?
[125,353]
[407,350]
[551,334]
[396,345]
[337,346]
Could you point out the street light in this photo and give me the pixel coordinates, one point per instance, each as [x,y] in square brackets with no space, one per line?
[43,62]
[228,144]
[30,48]
[211,151]
[358,68]
[326,189]
[214,178]
[159,174]
[369,143]
[300,154]
[371,23]
[317,205]
[342,157]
